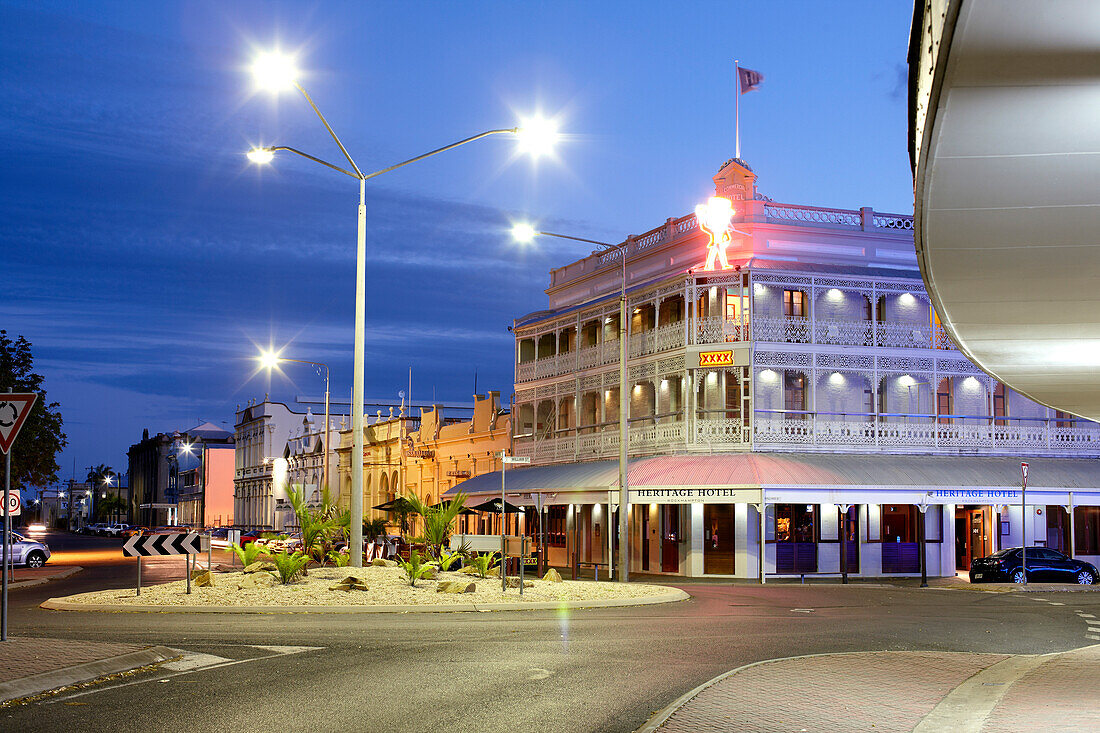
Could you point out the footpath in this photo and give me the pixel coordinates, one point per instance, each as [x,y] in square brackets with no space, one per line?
[902,692]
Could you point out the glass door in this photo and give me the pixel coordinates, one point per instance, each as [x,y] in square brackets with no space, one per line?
[718,551]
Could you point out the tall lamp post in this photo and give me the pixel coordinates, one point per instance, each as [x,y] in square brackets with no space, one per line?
[276,72]
[523,232]
[270,360]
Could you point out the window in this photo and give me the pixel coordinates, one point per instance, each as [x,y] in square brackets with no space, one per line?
[1000,404]
[794,394]
[794,304]
[1086,530]
[943,399]
[868,400]
[555,526]
[795,523]
[868,311]
[899,522]
[733,396]
[1063,419]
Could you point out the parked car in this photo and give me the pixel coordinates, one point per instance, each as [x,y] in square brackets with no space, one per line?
[116,530]
[134,529]
[95,528]
[28,552]
[1043,566]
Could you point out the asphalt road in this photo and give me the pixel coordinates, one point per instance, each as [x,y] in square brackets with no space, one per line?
[590,670]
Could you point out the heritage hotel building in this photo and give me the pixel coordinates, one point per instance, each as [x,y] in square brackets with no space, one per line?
[801,398]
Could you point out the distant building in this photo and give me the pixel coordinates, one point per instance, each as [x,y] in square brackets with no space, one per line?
[384,438]
[206,476]
[152,479]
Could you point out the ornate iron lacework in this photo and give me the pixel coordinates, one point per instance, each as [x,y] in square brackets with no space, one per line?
[759,276]
[957,366]
[903,364]
[813,215]
[675,364]
[590,382]
[893,221]
[782,359]
[546,390]
[526,395]
[642,371]
[852,362]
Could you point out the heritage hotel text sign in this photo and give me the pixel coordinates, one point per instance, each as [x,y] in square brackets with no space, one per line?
[975,494]
[694,495]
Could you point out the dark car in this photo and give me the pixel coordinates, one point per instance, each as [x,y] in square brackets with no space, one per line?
[1043,566]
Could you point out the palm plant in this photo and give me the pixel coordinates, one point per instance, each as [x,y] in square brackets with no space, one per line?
[339,559]
[447,559]
[414,570]
[437,520]
[374,527]
[320,528]
[483,563]
[289,565]
[250,553]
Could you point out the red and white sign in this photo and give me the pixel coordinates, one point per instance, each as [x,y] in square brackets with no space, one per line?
[14,505]
[1023,470]
[14,409]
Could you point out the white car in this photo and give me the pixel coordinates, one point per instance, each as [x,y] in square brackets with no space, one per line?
[115,530]
[27,552]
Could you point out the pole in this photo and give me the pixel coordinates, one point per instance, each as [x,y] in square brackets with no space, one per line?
[139,576]
[624,420]
[1023,521]
[542,539]
[923,546]
[324,469]
[1072,538]
[7,546]
[737,108]
[763,514]
[356,540]
[843,509]
[503,555]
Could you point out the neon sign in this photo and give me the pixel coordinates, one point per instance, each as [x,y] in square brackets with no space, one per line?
[714,218]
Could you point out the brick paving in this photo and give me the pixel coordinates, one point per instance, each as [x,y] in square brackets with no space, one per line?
[868,691]
[1059,695]
[23,656]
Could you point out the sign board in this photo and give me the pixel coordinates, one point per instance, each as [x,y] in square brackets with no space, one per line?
[709,357]
[516,546]
[716,358]
[1023,470]
[14,409]
[517,459]
[13,506]
[694,495]
[234,537]
[189,543]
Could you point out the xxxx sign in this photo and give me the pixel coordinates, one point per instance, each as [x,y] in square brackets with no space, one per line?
[715,358]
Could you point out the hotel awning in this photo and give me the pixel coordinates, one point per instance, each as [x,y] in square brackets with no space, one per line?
[827,473]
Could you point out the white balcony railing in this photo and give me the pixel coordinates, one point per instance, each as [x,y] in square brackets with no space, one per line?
[925,433]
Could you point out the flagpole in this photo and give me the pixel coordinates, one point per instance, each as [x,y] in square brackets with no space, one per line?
[737,107]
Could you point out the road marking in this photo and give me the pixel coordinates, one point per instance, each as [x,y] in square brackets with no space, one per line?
[1056,603]
[966,707]
[166,678]
[193,662]
[1092,636]
[1085,615]
[802,610]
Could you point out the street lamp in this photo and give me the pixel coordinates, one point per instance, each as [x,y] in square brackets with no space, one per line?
[524,232]
[276,72]
[270,360]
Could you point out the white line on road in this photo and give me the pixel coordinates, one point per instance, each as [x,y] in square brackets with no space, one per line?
[163,678]
[192,662]
[1085,615]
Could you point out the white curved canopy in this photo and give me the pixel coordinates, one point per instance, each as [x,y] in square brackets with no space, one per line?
[1005,143]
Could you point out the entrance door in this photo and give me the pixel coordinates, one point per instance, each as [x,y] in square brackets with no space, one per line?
[978,534]
[670,538]
[962,540]
[718,550]
[645,538]
[849,533]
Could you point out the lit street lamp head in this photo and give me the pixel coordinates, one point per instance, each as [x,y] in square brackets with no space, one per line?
[537,136]
[261,156]
[269,359]
[523,232]
[274,71]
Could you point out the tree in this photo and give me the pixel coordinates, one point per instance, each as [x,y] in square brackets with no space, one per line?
[98,475]
[34,455]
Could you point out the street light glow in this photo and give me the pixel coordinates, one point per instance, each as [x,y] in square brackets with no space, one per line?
[269,359]
[261,156]
[186,448]
[537,136]
[274,71]
[523,232]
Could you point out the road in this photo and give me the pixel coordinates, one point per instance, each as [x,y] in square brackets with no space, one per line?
[591,670]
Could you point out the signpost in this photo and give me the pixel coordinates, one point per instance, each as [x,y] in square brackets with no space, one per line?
[14,409]
[181,543]
[504,461]
[1023,520]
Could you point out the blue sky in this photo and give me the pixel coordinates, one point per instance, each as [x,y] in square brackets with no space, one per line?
[145,258]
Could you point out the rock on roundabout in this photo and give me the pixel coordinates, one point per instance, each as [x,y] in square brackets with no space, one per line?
[374,589]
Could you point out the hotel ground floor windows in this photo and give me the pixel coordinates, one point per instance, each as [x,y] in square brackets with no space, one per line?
[718,539]
[1086,530]
[900,545]
[796,533]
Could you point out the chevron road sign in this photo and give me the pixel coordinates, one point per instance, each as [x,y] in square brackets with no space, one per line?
[183,543]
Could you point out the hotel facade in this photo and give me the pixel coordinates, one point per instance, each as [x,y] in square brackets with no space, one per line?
[798,406]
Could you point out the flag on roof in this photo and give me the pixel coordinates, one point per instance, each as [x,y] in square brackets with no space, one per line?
[749,79]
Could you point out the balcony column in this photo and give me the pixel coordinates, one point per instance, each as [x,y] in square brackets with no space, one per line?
[813,304]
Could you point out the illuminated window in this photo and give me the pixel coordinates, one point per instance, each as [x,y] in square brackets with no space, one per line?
[1000,403]
[794,394]
[794,304]
[1063,419]
[555,526]
[943,399]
